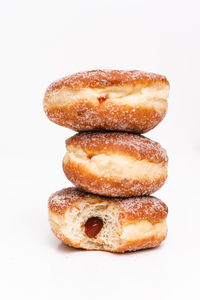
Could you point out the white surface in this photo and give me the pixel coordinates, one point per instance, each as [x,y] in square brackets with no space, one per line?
[42,41]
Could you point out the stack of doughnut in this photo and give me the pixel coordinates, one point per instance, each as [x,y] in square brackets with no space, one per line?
[114,167]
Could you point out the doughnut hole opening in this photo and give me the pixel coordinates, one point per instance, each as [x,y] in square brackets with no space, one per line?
[93,226]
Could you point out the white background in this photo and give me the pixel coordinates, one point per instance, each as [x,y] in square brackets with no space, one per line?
[42,41]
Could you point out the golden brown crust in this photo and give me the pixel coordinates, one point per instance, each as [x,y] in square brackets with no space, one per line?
[135,145]
[61,200]
[133,208]
[113,187]
[109,116]
[104,78]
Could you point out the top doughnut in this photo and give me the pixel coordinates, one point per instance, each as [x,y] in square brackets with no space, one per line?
[108,99]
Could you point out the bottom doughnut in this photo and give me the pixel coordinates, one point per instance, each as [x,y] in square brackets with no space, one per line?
[91,222]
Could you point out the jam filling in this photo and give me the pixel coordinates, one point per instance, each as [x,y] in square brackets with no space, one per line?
[93,226]
[103,98]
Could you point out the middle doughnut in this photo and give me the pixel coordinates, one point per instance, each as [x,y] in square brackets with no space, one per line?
[115,164]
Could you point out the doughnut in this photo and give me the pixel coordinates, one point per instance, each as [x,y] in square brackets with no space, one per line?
[91,222]
[116,164]
[108,100]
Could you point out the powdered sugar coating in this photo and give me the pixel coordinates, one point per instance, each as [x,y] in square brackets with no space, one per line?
[134,208]
[61,200]
[118,188]
[83,116]
[103,78]
[136,145]
[144,208]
